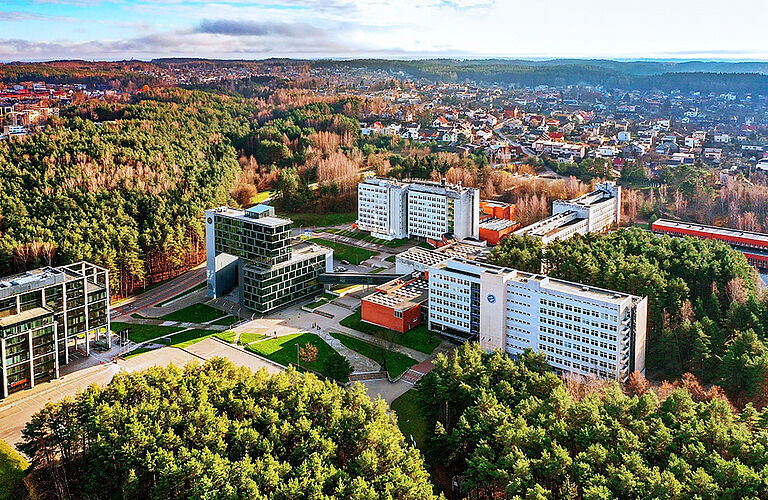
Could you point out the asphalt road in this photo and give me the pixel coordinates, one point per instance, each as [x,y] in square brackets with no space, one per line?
[161,293]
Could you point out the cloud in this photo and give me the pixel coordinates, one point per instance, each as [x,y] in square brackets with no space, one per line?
[257,28]
[15,16]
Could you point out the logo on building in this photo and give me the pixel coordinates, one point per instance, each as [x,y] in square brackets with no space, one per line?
[491,298]
[210,220]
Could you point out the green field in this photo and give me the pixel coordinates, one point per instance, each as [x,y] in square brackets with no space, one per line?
[419,338]
[182,294]
[283,350]
[12,467]
[396,362]
[142,333]
[189,337]
[345,252]
[196,313]
[228,336]
[409,417]
[248,337]
[359,235]
[226,320]
[320,220]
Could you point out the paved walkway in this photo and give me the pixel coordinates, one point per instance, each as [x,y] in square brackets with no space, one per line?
[359,362]
[17,409]
[332,325]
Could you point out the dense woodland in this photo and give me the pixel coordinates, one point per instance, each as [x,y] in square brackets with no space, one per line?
[706,313]
[122,185]
[218,431]
[125,184]
[513,429]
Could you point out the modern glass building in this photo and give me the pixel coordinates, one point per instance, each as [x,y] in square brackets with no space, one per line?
[250,251]
[47,316]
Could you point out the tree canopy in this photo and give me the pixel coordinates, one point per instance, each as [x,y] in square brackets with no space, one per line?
[513,429]
[218,431]
[702,298]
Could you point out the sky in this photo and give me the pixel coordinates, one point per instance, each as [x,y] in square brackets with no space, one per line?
[35,30]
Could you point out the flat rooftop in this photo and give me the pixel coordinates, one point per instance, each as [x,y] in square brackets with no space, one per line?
[236,213]
[589,199]
[402,293]
[299,252]
[34,280]
[551,225]
[497,224]
[713,230]
[422,256]
[23,316]
[547,283]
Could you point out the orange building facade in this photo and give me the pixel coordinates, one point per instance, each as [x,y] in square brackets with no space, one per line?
[396,305]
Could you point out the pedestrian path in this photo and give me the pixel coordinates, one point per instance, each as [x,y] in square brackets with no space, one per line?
[359,362]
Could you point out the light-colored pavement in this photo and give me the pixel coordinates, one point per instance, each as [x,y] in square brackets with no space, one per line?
[387,390]
[16,410]
[211,348]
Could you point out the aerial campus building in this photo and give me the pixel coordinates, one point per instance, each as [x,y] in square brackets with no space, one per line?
[249,252]
[593,212]
[753,245]
[47,316]
[583,330]
[392,209]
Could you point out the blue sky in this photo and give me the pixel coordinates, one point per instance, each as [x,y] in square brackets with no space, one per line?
[143,29]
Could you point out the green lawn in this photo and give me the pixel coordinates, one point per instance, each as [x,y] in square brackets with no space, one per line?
[409,417]
[182,294]
[248,337]
[396,362]
[228,336]
[359,235]
[283,350]
[12,467]
[226,320]
[419,338]
[142,333]
[196,313]
[320,220]
[378,270]
[345,252]
[391,258]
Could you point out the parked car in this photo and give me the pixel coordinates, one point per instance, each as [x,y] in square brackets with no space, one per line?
[345,262]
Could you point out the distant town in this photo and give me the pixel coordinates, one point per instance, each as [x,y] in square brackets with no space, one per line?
[263,246]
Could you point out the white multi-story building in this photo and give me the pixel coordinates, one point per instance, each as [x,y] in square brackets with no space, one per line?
[583,330]
[382,208]
[392,209]
[592,212]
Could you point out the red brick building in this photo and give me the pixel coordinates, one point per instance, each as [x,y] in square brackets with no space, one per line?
[397,304]
[754,246]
